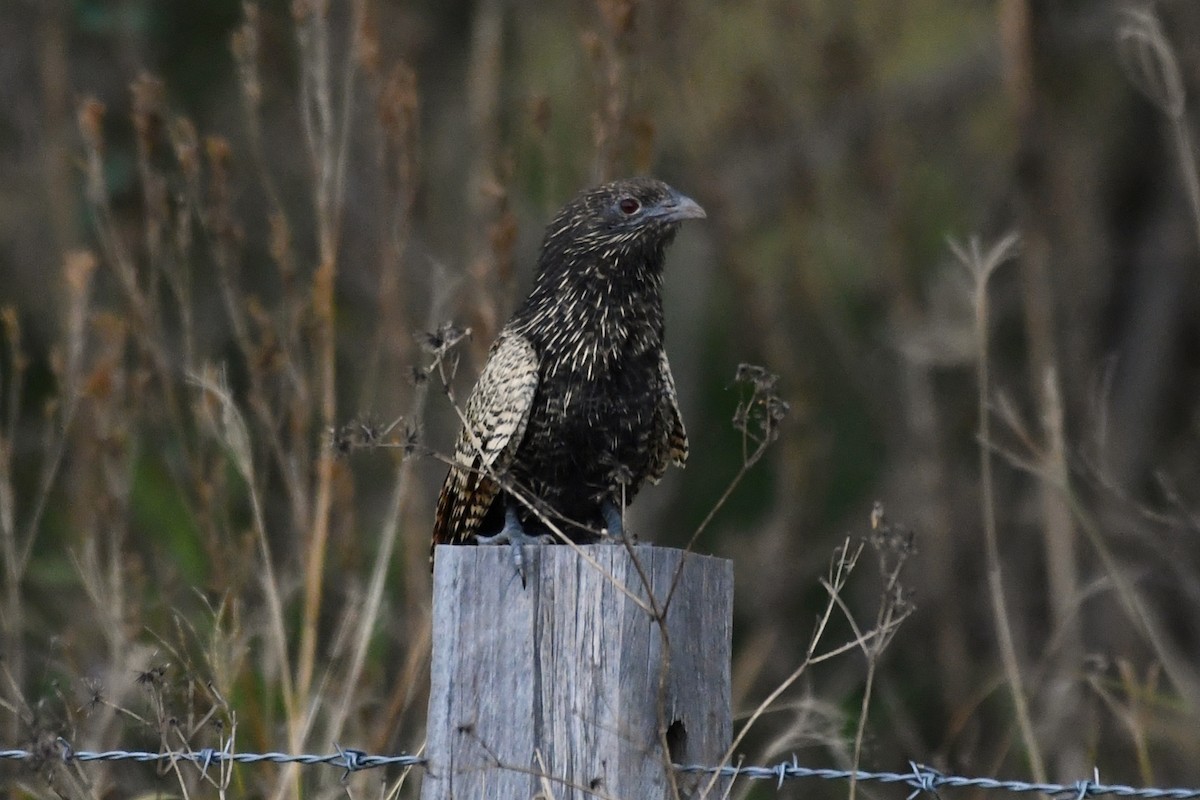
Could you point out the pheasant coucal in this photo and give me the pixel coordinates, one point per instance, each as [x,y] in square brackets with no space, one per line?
[575,408]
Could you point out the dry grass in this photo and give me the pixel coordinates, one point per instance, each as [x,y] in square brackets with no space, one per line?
[219,415]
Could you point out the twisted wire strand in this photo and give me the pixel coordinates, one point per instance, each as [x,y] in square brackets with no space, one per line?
[349,759]
[920,778]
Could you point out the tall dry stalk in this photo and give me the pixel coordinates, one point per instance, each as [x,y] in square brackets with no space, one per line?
[982,265]
[1020,24]
[326,129]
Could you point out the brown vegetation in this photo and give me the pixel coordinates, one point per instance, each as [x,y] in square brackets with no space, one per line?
[242,245]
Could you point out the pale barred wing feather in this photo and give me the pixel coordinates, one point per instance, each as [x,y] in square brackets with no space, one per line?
[672,445]
[496,415]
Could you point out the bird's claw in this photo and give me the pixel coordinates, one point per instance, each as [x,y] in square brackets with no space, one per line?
[514,535]
[614,525]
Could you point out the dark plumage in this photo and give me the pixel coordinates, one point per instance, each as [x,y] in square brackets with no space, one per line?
[575,408]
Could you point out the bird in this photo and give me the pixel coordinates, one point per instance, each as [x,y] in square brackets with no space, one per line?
[575,407]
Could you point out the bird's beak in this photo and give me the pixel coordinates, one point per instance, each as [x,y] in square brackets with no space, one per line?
[678,207]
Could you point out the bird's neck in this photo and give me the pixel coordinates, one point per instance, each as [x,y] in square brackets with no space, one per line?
[595,310]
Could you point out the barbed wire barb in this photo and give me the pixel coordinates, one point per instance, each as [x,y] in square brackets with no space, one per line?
[924,780]
[352,760]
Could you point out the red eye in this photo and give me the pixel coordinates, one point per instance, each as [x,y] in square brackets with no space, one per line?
[629,205]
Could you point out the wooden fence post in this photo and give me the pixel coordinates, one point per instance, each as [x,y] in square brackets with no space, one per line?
[557,687]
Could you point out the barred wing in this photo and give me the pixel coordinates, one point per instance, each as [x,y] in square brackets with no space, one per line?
[671,446]
[494,424]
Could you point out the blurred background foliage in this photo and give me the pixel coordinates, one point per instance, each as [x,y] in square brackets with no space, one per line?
[298,191]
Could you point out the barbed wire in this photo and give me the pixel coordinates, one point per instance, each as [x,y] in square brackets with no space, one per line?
[349,759]
[927,779]
[921,778]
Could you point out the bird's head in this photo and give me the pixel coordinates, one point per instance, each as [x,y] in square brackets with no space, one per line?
[622,225]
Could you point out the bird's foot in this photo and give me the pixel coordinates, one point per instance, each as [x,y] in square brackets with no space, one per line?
[514,535]
[614,524]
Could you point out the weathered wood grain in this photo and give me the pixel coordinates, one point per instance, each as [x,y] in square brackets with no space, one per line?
[557,686]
